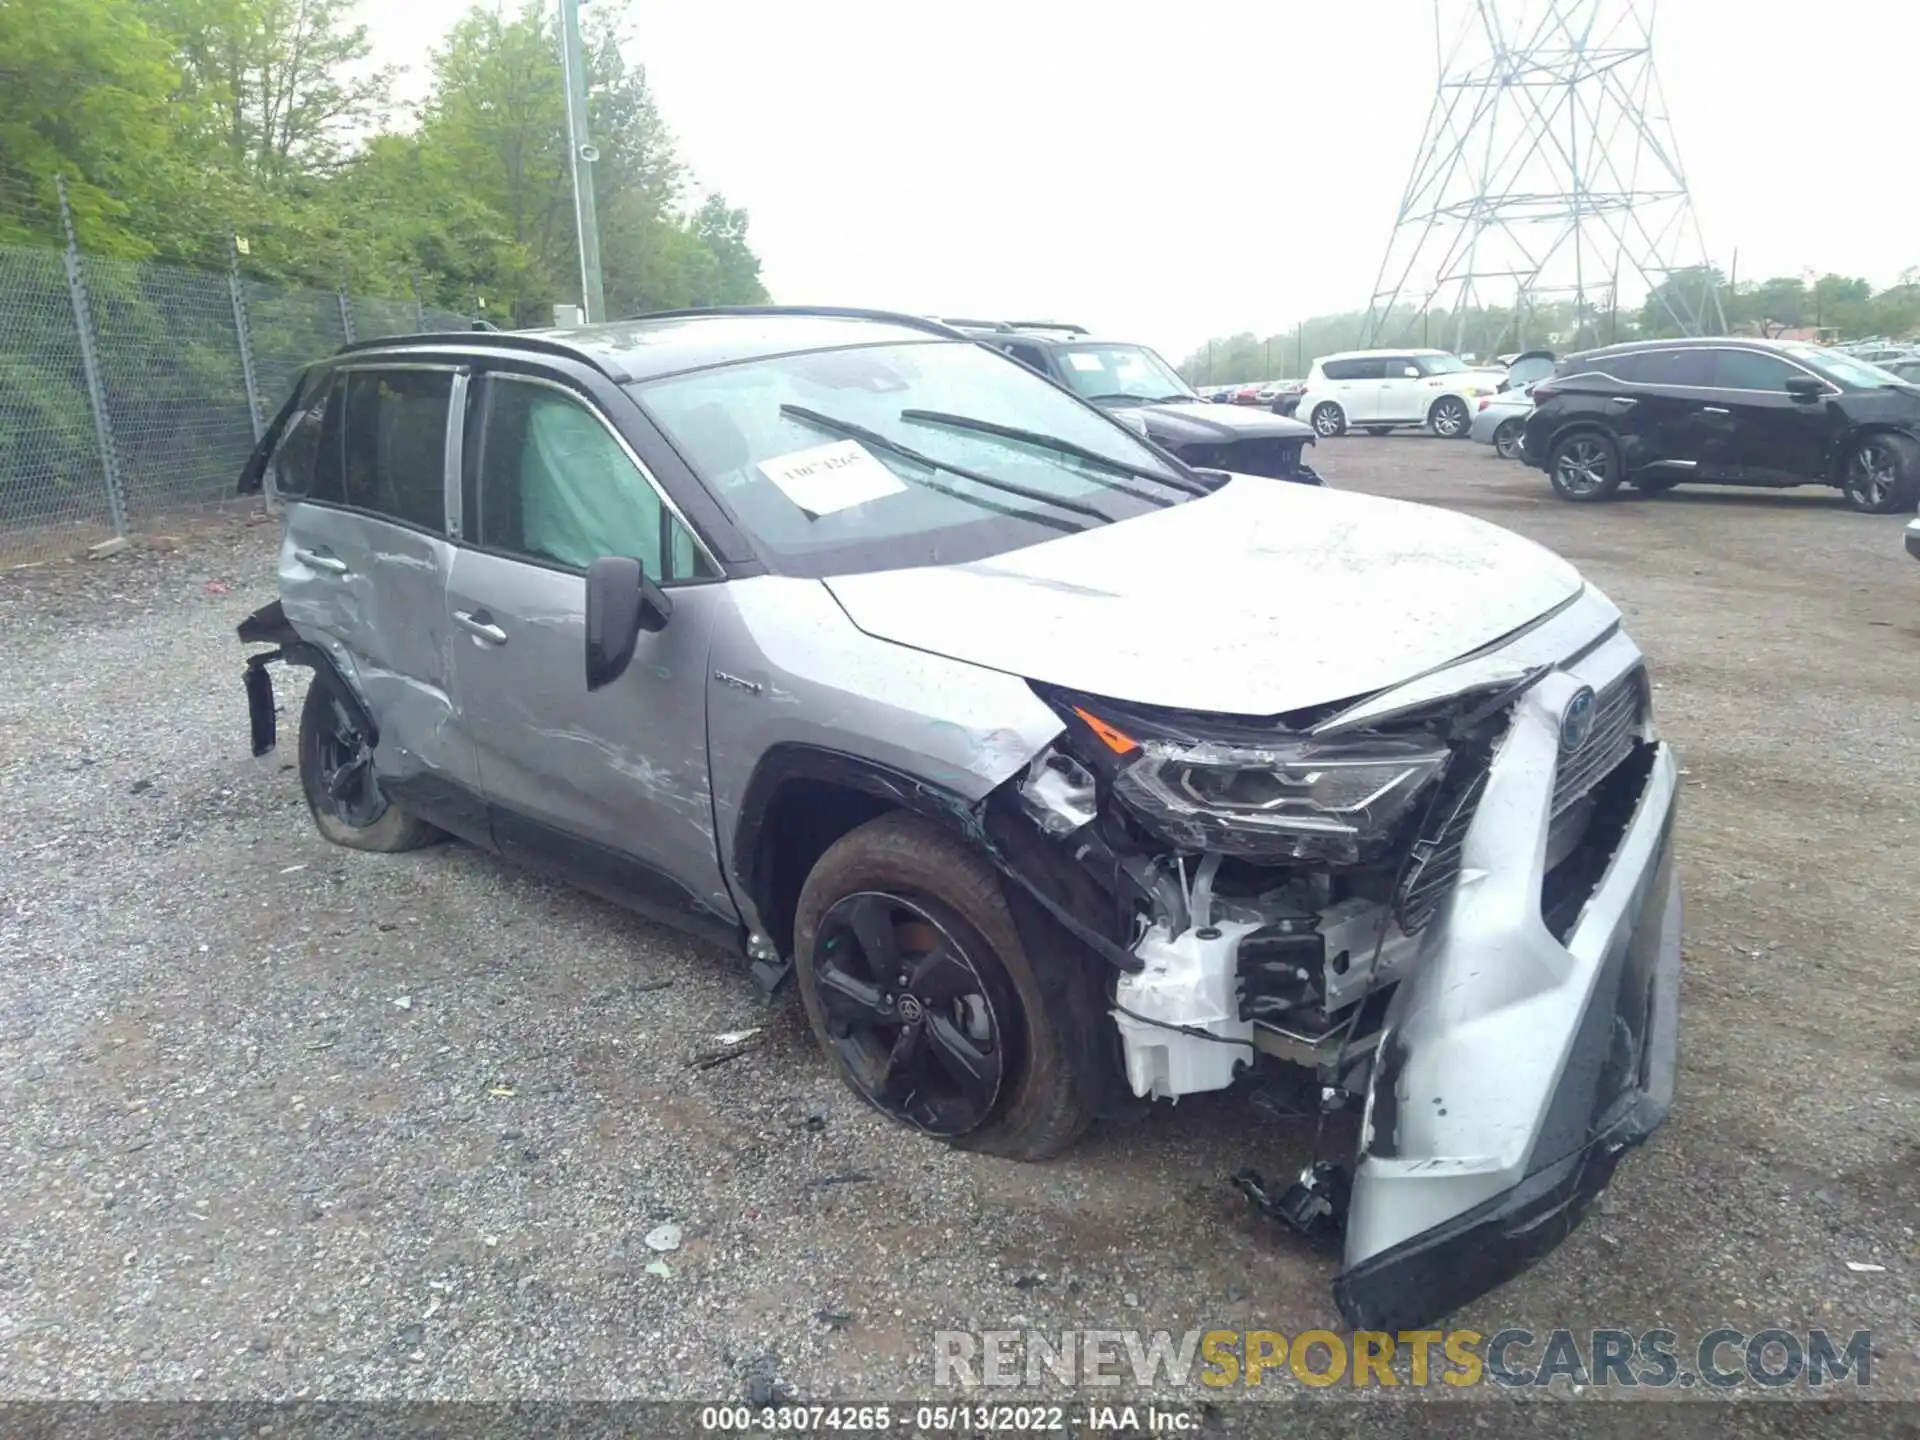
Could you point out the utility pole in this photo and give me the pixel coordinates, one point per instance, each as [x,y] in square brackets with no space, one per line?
[582,154]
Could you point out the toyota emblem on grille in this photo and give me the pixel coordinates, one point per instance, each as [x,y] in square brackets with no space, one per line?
[1576,721]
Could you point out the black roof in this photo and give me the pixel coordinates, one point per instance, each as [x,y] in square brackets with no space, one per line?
[672,341]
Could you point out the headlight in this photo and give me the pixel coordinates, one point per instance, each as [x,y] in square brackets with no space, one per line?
[1305,801]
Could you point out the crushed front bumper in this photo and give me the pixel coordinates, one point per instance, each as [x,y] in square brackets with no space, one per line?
[1515,1069]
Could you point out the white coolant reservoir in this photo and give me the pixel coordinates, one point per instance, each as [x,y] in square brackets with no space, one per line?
[1190,981]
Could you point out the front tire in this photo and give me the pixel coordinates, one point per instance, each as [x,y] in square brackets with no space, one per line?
[1882,475]
[1329,420]
[1449,418]
[336,772]
[1585,466]
[918,989]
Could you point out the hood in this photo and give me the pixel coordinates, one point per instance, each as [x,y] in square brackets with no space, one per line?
[1261,598]
[1196,422]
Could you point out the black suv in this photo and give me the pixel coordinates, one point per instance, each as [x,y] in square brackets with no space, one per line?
[1661,413]
[1145,393]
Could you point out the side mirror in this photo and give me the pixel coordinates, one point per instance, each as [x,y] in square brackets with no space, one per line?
[621,602]
[1805,387]
[1411,372]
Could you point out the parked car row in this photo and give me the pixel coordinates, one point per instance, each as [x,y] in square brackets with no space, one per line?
[1138,387]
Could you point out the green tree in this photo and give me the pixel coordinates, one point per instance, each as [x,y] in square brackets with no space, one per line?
[86,92]
[280,81]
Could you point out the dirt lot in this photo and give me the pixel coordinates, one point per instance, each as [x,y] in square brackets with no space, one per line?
[286,1120]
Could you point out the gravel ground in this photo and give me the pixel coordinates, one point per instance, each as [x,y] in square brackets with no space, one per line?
[286,1120]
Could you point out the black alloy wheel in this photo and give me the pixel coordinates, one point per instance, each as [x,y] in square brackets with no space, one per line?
[337,773]
[917,1024]
[344,759]
[1882,475]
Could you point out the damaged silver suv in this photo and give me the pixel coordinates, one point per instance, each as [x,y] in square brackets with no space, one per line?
[1059,775]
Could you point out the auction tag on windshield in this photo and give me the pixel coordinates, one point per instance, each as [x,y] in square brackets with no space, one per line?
[1081,360]
[832,477]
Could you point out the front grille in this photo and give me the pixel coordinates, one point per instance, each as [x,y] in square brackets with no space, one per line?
[1435,864]
[1276,457]
[1616,717]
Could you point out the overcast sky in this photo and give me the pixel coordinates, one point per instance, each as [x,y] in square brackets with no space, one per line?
[1168,173]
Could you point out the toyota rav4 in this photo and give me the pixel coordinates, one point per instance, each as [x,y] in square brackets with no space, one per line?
[1062,777]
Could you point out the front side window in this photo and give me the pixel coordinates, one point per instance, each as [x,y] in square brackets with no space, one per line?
[555,485]
[1686,368]
[393,451]
[1752,370]
[1120,372]
[814,455]
[1030,356]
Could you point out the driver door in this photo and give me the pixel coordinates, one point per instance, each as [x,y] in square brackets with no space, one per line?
[1401,390]
[607,789]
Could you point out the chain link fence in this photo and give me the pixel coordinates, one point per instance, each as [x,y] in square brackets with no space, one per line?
[132,392]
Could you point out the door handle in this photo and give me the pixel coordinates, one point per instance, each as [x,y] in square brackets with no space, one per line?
[324,563]
[479,623]
[1625,402]
[1715,410]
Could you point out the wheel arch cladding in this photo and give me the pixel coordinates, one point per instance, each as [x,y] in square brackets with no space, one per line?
[801,799]
[269,626]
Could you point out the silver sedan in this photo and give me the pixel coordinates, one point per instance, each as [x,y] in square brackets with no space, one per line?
[1499,420]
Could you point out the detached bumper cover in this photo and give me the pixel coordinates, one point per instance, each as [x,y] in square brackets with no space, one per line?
[1516,1070]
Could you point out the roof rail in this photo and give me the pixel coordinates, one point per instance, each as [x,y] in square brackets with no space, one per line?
[1048,325]
[976,324]
[511,339]
[943,328]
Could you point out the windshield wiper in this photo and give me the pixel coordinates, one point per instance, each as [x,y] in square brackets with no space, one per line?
[1058,446]
[894,447]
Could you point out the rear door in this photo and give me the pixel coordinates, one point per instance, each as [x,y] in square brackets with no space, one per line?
[607,788]
[1354,386]
[1773,438]
[363,474]
[1668,417]
[1401,390]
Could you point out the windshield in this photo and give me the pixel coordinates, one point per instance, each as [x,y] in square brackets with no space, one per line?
[1439,364]
[841,461]
[1844,368]
[1121,372]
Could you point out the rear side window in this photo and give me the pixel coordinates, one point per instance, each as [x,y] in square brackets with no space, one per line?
[393,443]
[299,449]
[1353,369]
[1693,368]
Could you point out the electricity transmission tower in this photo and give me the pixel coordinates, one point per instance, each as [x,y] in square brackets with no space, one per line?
[1547,172]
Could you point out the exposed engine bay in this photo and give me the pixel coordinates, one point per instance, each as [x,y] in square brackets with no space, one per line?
[1273,883]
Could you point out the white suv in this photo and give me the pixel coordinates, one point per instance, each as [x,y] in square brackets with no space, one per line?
[1382,390]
